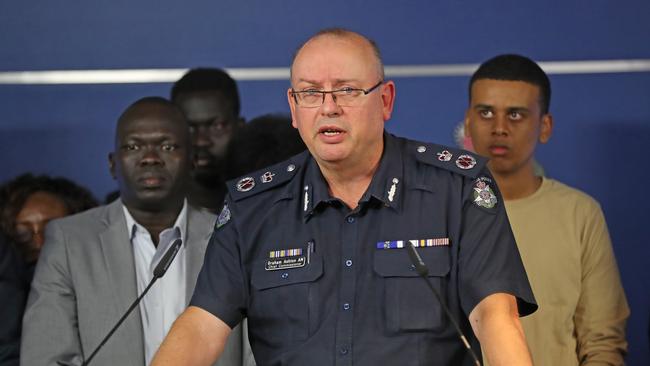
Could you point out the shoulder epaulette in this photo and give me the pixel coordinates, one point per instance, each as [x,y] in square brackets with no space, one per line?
[456,160]
[262,180]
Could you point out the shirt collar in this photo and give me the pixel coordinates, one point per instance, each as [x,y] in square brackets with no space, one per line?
[180,223]
[386,185]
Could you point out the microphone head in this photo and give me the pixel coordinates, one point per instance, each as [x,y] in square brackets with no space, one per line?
[167,259]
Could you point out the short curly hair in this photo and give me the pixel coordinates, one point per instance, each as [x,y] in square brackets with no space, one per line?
[262,142]
[208,79]
[14,194]
[511,67]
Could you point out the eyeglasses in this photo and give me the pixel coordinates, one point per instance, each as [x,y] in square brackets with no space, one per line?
[346,97]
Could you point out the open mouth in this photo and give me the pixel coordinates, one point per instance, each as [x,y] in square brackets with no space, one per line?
[202,159]
[498,150]
[330,131]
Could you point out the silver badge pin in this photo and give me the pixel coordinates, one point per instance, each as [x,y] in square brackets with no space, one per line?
[245,184]
[306,198]
[444,155]
[267,177]
[393,189]
[422,149]
[291,168]
[465,162]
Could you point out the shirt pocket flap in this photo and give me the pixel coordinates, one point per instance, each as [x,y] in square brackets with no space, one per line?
[263,279]
[397,262]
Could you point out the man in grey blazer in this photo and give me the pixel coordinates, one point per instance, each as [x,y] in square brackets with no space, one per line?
[95,264]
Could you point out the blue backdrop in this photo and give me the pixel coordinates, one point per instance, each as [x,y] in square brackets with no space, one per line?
[602,120]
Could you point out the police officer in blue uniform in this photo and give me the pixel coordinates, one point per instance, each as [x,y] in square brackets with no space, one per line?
[313,250]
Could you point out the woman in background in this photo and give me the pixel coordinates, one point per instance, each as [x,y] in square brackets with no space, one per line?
[28,202]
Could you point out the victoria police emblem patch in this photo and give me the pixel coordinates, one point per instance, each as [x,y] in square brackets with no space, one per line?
[224,216]
[484,195]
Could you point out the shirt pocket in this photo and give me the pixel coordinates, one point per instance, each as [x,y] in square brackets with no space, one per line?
[409,304]
[281,302]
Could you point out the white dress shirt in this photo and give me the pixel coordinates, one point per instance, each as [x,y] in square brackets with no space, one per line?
[166,299]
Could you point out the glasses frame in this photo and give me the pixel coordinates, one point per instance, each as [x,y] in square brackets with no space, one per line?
[295,93]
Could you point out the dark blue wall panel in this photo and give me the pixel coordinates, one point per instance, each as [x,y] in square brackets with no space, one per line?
[602,130]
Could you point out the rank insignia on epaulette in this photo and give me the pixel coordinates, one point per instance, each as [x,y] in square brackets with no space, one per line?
[444,155]
[261,181]
[224,216]
[465,162]
[284,259]
[483,194]
[458,161]
[245,184]
[267,177]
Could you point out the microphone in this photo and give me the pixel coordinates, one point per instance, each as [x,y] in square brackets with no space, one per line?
[423,271]
[158,272]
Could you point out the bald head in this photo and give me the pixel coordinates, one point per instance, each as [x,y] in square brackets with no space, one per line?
[152,157]
[153,107]
[367,44]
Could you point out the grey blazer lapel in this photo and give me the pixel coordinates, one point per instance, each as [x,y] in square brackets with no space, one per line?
[120,265]
[199,228]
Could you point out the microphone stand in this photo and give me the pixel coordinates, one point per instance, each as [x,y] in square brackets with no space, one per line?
[158,272]
[423,271]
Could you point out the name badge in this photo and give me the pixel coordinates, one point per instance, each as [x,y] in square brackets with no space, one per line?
[285,263]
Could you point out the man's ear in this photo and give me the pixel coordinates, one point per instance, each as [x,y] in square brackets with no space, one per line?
[111,165]
[292,106]
[388,98]
[546,129]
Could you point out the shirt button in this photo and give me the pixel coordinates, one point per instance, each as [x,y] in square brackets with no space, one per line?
[346,306]
[285,275]
[348,263]
[344,351]
[350,219]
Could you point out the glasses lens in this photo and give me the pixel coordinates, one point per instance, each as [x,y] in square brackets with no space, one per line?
[348,97]
[310,99]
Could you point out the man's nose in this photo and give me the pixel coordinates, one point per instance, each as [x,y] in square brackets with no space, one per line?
[38,237]
[151,156]
[500,126]
[330,107]
[200,138]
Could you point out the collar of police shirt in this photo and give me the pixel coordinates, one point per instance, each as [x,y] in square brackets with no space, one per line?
[385,186]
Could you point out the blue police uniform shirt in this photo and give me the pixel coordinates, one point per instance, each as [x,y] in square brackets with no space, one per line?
[323,284]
